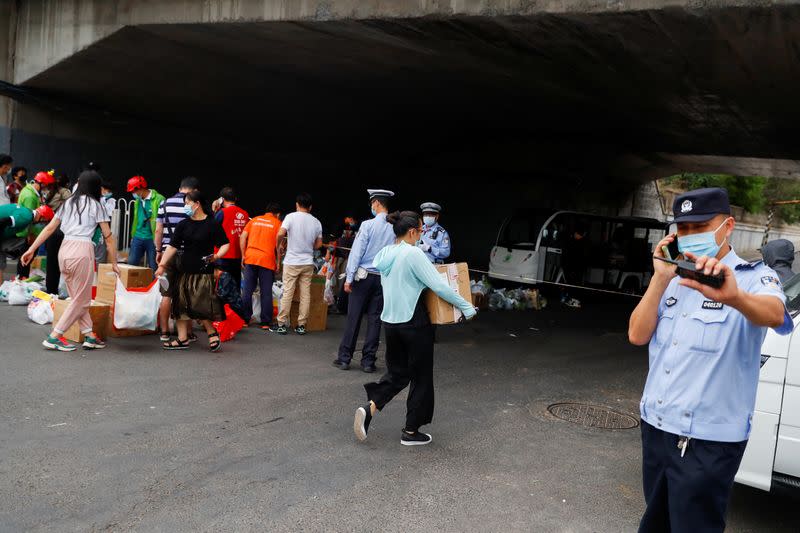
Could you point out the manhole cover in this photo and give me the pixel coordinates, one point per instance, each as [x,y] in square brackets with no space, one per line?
[592,416]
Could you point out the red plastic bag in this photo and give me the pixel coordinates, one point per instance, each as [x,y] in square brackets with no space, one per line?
[229,327]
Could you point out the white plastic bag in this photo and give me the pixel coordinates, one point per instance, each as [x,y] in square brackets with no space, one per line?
[4,288]
[40,311]
[136,308]
[277,293]
[18,295]
[257,305]
[328,296]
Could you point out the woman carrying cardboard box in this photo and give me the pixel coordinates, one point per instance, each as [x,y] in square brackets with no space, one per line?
[405,273]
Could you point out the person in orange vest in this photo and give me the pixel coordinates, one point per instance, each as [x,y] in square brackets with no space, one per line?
[259,244]
[233,220]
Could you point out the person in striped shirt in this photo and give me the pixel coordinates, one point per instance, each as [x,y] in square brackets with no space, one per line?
[170,214]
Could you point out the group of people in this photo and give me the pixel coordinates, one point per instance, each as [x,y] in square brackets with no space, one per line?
[187,241]
[701,339]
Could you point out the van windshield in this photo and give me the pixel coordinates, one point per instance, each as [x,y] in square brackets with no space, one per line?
[792,291]
[521,230]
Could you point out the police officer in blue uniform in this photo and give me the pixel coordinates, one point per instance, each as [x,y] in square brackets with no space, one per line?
[705,348]
[363,284]
[435,241]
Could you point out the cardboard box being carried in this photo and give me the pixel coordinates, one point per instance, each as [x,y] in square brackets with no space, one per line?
[101,320]
[132,277]
[456,275]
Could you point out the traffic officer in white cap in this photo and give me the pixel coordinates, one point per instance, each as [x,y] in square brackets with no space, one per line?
[435,241]
[363,283]
[705,355]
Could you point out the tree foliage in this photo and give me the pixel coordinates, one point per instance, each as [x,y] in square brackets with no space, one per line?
[753,193]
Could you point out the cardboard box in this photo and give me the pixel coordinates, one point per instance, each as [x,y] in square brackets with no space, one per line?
[131,276]
[317,316]
[39,263]
[317,290]
[456,275]
[101,319]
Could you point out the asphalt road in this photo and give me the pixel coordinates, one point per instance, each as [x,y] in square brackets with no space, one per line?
[259,437]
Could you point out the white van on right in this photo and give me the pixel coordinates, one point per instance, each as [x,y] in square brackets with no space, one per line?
[772,457]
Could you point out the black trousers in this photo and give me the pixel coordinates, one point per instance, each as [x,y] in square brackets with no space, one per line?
[232,267]
[409,361]
[688,493]
[366,297]
[52,246]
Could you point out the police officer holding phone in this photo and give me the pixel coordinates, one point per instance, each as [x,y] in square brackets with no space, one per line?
[705,347]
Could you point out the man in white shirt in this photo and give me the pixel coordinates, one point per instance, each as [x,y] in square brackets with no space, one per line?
[303,234]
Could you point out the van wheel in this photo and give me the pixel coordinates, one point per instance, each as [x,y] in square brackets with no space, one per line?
[631,286]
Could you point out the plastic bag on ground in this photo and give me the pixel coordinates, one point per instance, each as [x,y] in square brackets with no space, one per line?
[137,308]
[18,294]
[229,327]
[40,311]
[277,292]
[4,288]
[256,305]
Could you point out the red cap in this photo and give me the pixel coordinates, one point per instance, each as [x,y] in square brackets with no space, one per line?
[137,182]
[45,212]
[45,178]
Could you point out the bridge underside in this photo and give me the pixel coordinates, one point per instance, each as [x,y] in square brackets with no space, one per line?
[483,113]
[515,96]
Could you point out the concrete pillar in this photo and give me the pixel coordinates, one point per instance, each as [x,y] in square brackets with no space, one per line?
[8,25]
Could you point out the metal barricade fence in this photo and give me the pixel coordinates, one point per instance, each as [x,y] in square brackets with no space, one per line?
[121,223]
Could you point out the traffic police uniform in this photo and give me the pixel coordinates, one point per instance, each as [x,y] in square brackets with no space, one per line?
[366,294]
[435,241]
[701,384]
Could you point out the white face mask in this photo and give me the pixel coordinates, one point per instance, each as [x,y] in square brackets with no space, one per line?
[429,221]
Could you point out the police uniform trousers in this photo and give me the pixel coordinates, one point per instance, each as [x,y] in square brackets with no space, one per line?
[366,296]
[409,360]
[689,493]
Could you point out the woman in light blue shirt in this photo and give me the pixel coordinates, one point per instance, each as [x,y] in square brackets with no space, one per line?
[405,273]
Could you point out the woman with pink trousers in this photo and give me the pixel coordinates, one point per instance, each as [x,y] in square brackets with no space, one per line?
[78,217]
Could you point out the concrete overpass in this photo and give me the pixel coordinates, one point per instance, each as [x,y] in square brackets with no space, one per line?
[553,103]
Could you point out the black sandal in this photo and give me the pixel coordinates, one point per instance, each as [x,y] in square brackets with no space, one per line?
[175,344]
[165,337]
[214,346]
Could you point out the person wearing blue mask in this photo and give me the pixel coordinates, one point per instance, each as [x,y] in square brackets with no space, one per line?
[705,354]
[435,241]
[363,284]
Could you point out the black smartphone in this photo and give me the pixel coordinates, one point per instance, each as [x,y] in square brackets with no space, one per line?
[688,270]
[671,250]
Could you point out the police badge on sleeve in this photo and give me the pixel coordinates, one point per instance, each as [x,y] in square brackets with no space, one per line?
[771,282]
